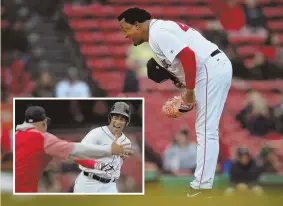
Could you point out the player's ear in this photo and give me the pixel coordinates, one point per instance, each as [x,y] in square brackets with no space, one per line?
[137,25]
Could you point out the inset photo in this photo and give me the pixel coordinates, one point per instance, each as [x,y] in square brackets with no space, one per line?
[78,146]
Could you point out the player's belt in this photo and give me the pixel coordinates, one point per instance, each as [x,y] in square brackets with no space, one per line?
[217,51]
[100,179]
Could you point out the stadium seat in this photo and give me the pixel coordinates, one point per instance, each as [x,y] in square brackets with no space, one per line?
[83,24]
[280,38]
[116,38]
[276,25]
[113,81]
[251,39]
[89,37]
[146,2]
[97,50]
[258,1]
[115,51]
[75,11]
[273,12]
[4,23]
[245,51]
[106,64]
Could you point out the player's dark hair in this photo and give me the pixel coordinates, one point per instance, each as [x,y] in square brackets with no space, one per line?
[133,15]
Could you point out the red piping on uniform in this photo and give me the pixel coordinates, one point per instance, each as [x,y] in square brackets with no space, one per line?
[188,60]
[205,118]
[86,163]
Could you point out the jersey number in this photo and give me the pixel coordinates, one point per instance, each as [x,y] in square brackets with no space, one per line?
[184,27]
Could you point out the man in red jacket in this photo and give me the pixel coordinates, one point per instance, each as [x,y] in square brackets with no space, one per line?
[35,148]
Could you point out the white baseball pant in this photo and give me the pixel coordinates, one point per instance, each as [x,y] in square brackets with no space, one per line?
[84,184]
[212,86]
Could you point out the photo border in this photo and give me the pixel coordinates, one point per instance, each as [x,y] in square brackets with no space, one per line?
[90,98]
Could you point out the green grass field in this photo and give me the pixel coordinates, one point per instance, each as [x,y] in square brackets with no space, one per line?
[154,195]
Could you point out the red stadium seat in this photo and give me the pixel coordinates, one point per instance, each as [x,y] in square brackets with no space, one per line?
[4,23]
[147,84]
[116,38]
[2,10]
[111,81]
[79,24]
[143,2]
[100,63]
[89,37]
[118,50]
[273,12]
[199,25]
[255,39]
[104,50]
[106,63]
[280,38]
[268,51]
[97,50]
[258,1]
[75,11]
[244,51]
[108,24]
[276,25]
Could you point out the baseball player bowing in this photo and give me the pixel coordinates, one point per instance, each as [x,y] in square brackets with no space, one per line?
[194,64]
[103,179]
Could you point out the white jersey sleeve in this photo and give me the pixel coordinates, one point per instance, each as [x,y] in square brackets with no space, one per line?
[167,43]
[92,137]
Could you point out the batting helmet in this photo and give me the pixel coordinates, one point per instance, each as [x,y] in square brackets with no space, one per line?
[120,108]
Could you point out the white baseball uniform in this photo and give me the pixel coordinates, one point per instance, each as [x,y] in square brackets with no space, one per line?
[85,184]
[213,80]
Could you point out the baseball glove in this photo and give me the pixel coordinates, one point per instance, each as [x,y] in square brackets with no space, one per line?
[176,106]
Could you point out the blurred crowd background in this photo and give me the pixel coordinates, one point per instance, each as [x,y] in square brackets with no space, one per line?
[72,120]
[73,48]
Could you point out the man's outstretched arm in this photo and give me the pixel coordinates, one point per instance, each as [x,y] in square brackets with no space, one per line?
[63,149]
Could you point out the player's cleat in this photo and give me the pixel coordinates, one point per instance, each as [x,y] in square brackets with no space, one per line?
[201,193]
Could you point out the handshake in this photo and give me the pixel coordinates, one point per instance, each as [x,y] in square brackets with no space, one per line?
[123,150]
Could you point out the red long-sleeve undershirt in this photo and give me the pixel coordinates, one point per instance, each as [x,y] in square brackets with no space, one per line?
[188,60]
[86,163]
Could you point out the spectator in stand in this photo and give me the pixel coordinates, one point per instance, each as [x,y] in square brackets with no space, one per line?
[180,157]
[278,113]
[137,58]
[256,116]
[267,160]
[72,86]
[255,18]
[127,184]
[231,15]
[44,86]
[224,163]
[263,69]
[6,159]
[277,148]
[14,40]
[6,172]
[275,44]
[16,79]
[244,174]
[131,82]
[4,92]
[239,68]
[219,37]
